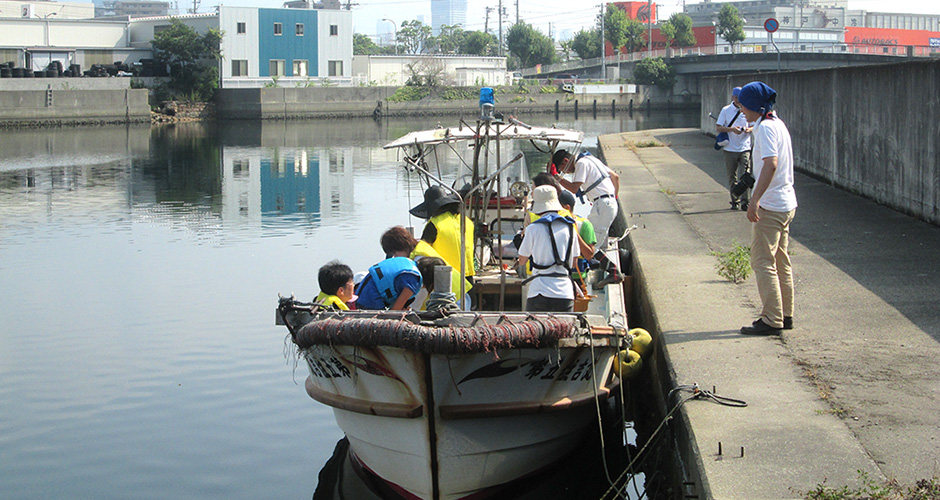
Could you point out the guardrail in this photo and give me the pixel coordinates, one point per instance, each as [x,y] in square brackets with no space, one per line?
[743,48]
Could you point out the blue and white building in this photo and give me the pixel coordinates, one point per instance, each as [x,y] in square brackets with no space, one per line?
[293,47]
[289,46]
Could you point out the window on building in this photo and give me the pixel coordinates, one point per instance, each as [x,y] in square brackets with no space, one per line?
[336,68]
[276,67]
[299,29]
[239,67]
[159,29]
[241,29]
[334,30]
[278,28]
[300,67]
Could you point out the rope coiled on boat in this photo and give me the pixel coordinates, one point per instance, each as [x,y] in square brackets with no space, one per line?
[374,332]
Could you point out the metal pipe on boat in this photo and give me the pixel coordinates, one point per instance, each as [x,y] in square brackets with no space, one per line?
[443,282]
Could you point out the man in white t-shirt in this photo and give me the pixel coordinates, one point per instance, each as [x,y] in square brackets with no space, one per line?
[737,152]
[773,205]
[551,245]
[598,183]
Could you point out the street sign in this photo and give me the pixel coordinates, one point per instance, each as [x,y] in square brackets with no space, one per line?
[771,25]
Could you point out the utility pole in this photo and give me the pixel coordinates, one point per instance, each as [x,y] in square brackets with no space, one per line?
[499,15]
[486,23]
[649,24]
[603,47]
[517,11]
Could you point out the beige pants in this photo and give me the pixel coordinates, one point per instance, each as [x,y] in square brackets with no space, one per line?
[771,264]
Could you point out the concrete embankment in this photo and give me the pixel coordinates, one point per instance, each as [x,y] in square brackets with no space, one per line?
[331,102]
[58,107]
[853,387]
[871,130]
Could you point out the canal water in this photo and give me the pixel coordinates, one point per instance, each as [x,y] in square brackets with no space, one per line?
[139,273]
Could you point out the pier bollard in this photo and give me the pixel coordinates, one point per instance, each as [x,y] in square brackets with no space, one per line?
[613,108]
[575,109]
[556,109]
[594,109]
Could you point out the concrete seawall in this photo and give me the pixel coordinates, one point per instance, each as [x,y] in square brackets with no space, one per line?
[326,102]
[52,107]
[870,130]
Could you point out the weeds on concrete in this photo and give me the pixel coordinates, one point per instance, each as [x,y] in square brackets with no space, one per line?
[634,145]
[735,264]
[823,389]
[668,191]
[925,489]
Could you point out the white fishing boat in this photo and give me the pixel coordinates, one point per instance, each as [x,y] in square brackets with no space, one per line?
[459,404]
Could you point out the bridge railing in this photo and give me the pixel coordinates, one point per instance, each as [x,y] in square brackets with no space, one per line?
[750,48]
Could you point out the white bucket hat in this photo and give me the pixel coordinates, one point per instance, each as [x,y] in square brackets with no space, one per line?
[545,199]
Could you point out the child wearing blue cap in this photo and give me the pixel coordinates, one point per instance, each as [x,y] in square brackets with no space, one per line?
[772,208]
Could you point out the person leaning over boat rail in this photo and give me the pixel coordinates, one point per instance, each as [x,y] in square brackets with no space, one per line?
[772,208]
[586,237]
[337,289]
[551,246]
[596,181]
[442,231]
[394,282]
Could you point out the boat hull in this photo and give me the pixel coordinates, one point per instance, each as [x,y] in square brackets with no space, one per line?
[438,426]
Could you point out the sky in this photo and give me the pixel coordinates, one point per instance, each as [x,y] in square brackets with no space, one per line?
[559,16]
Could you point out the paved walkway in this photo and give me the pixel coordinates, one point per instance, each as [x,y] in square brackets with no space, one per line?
[854,387]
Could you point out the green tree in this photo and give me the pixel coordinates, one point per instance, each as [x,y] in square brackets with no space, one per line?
[566,49]
[479,43]
[413,36]
[615,24]
[655,71]
[635,36]
[192,59]
[587,43]
[530,45]
[730,25]
[449,39]
[678,30]
[622,31]
[363,45]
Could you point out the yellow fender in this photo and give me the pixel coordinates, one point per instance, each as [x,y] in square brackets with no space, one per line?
[641,341]
[628,365]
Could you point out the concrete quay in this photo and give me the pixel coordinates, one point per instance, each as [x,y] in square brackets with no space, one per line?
[854,387]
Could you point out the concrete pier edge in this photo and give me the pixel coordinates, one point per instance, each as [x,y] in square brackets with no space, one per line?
[790,439]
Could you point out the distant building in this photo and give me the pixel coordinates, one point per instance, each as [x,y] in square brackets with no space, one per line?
[461,71]
[291,45]
[133,8]
[46,10]
[808,25]
[448,12]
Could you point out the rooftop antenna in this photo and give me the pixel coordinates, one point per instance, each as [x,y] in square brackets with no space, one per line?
[349,5]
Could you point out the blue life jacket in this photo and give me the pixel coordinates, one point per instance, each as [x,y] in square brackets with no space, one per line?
[384,274]
[548,220]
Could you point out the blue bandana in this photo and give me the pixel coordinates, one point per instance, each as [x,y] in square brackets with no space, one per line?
[758,96]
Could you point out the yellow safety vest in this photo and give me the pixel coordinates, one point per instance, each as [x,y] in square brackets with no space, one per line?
[424,249]
[331,301]
[447,243]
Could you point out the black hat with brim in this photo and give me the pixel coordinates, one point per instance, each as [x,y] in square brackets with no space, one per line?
[434,198]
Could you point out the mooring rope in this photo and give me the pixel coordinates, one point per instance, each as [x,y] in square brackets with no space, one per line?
[449,339]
